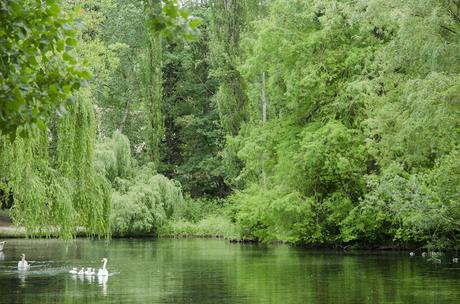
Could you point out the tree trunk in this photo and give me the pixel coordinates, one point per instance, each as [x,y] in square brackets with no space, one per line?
[264,120]
[125,115]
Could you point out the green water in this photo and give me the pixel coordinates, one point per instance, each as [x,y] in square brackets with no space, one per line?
[214,271]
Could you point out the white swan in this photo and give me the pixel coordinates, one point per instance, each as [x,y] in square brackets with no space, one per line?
[82,271]
[2,244]
[74,270]
[103,271]
[89,271]
[23,265]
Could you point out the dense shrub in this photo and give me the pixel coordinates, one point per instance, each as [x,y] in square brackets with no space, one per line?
[149,201]
[142,200]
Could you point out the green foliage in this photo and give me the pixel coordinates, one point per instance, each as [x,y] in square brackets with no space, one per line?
[212,226]
[142,200]
[417,123]
[38,69]
[331,121]
[195,210]
[146,204]
[172,21]
[40,52]
[122,154]
[362,120]
[193,136]
[113,157]
[62,197]
[391,208]
[228,21]
[75,159]
[202,218]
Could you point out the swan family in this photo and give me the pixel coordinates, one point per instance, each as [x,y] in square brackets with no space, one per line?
[102,272]
[23,265]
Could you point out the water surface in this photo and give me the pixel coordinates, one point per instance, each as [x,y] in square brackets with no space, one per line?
[214,271]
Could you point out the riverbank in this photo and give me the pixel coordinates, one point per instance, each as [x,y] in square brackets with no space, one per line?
[202,231]
[10,232]
[212,226]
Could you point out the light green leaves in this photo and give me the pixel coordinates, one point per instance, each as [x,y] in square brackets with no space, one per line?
[36,63]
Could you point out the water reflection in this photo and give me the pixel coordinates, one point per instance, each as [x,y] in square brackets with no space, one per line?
[87,280]
[102,281]
[22,275]
[204,271]
[2,256]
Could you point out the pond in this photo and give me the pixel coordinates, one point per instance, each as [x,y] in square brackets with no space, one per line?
[215,271]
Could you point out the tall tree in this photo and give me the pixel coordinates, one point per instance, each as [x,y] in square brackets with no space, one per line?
[154,87]
[193,134]
[228,21]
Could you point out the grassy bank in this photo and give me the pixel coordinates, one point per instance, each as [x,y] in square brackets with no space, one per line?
[211,226]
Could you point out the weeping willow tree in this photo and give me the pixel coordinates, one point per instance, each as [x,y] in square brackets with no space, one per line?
[75,161]
[27,177]
[60,198]
[143,200]
[50,176]
[145,203]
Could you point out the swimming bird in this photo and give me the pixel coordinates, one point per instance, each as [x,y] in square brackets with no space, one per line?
[2,244]
[74,270]
[412,254]
[89,271]
[424,254]
[103,271]
[82,271]
[23,265]
[455,260]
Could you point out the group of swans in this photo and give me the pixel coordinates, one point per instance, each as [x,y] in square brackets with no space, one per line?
[23,265]
[88,272]
[102,272]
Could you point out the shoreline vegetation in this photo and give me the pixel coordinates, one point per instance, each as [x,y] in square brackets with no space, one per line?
[15,234]
[212,224]
[206,229]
